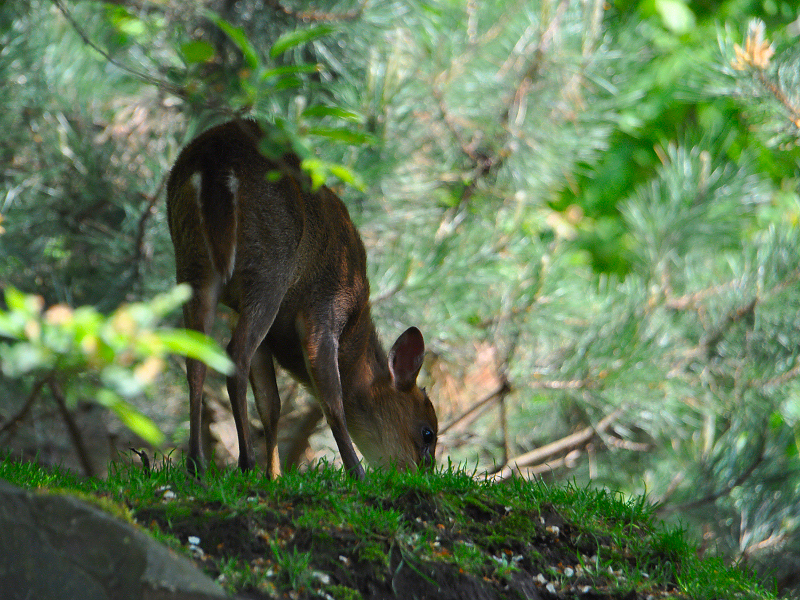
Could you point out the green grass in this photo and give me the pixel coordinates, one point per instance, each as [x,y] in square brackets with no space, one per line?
[320,533]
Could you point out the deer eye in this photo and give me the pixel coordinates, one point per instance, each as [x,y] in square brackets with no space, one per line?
[428,437]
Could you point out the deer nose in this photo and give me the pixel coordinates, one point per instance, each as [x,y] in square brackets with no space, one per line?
[427,461]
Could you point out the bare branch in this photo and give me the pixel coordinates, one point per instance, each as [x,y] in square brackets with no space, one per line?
[11,425]
[72,427]
[570,442]
[317,15]
[503,390]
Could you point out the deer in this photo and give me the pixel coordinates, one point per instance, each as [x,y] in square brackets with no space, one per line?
[249,232]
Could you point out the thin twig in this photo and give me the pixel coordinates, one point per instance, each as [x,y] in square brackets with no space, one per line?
[72,426]
[147,213]
[317,15]
[15,420]
[161,83]
[503,389]
[714,496]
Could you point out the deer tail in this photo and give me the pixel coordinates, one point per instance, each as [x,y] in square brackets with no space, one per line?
[209,183]
[216,199]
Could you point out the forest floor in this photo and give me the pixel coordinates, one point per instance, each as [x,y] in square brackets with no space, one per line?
[443,535]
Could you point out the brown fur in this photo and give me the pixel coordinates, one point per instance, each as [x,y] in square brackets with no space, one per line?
[292,264]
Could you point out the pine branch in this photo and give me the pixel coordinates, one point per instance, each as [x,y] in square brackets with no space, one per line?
[711,340]
[714,496]
[779,95]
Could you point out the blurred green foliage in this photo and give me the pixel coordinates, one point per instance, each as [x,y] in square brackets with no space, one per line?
[108,359]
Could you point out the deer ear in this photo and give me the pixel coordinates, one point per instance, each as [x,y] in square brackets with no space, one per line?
[405,358]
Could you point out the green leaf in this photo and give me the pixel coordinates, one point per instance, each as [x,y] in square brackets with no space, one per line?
[320,170]
[676,15]
[134,420]
[321,110]
[287,82]
[347,176]
[291,70]
[27,304]
[197,52]
[341,134]
[194,344]
[165,303]
[297,37]
[316,170]
[125,22]
[238,37]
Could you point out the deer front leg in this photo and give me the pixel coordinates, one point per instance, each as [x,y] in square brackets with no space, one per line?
[323,362]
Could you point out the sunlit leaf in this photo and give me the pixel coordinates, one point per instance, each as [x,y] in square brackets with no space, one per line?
[24,303]
[125,22]
[316,170]
[165,303]
[347,176]
[298,37]
[676,15]
[340,134]
[140,424]
[194,344]
[320,110]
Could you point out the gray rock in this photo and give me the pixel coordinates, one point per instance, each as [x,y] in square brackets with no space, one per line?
[55,547]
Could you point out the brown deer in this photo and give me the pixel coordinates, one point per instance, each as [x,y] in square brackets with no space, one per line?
[249,232]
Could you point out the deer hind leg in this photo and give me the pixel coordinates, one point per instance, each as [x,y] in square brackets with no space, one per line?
[268,403]
[198,314]
[255,320]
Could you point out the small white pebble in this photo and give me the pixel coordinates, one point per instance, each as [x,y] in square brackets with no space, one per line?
[554,530]
[586,589]
[193,540]
[169,495]
[569,572]
[541,579]
[323,578]
[551,588]
[345,560]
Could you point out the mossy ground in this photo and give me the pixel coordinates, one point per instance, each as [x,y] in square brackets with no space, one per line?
[318,534]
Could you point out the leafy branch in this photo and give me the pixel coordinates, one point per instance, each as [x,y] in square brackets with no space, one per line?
[80,354]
